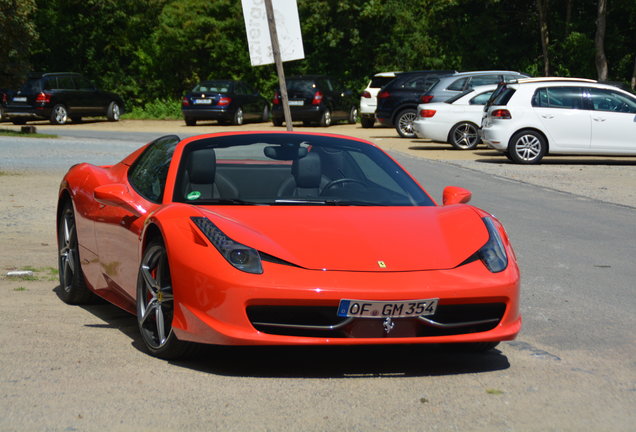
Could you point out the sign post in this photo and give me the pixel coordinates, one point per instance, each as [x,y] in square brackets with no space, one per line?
[273,36]
[271,22]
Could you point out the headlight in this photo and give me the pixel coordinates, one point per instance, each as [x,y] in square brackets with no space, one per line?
[493,253]
[240,256]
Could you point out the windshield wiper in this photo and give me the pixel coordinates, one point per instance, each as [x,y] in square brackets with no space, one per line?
[224,201]
[330,202]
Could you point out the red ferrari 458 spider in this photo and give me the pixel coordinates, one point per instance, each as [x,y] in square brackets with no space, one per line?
[285,238]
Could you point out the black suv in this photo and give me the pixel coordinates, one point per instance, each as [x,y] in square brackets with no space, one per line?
[398,100]
[60,96]
[316,99]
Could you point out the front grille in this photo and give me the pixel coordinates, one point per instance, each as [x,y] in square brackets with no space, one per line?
[324,322]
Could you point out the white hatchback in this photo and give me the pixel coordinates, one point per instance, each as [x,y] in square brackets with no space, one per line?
[533,117]
[369,97]
[456,120]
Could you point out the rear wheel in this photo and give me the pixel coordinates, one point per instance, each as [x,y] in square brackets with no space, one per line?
[114,112]
[325,119]
[367,122]
[59,115]
[73,288]
[527,147]
[265,115]
[155,305]
[463,136]
[353,115]
[238,117]
[277,121]
[190,121]
[404,123]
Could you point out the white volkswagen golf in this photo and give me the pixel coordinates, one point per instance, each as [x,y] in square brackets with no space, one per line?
[533,117]
[456,120]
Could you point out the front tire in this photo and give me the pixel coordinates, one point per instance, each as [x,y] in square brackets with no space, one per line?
[265,115]
[404,123]
[59,115]
[155,305]
[277,121]
[463,136]
[73,288]
[114,112]
[527,147]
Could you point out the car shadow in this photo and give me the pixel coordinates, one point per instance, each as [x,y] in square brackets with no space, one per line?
[494,157]
[312,361]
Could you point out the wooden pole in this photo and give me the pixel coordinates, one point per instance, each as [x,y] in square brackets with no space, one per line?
[269,9]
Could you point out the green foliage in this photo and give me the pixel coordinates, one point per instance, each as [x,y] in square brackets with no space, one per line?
[17,34]
[152,51]
[164,109]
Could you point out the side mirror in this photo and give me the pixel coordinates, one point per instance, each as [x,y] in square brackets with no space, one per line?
[456,195]
[117,195]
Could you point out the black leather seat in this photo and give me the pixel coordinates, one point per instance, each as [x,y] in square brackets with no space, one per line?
[202,178]
[306,180]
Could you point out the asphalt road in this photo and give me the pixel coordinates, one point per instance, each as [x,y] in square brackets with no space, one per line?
[572,368]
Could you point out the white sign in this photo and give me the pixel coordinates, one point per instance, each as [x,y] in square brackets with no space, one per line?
[290,39]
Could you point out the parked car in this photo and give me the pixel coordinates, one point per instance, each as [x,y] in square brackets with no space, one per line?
[456,120]
[61,96]
[531,118]
[283,238]
[4,97]
[451,85]
[398,100]
[228,101]
[316,99]
[369,97]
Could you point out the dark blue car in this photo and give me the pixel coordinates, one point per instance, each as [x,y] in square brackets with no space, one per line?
[227,101]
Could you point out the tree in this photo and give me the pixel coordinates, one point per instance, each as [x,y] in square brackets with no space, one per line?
[542,8]
[599,41]
[17,34]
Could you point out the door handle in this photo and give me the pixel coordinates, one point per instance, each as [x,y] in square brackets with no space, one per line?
[600,119]
[547,116]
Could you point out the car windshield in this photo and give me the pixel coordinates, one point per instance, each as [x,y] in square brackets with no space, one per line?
[292,169]
[212,87]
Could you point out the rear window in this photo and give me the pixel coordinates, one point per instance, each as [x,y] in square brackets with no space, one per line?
[212,87]
[458,85]
[31,86]
[379,82]
[301,85]
[501,96]
[421,83]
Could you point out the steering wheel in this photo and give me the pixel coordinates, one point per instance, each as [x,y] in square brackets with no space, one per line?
[337,182]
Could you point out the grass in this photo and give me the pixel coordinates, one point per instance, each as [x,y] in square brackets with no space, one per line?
[9,132]
[494,392]
[158,109]
[20,288]
[39,273]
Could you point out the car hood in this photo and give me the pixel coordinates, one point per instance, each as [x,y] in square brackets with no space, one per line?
[356,238]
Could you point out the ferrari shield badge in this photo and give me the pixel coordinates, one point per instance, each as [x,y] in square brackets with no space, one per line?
[381,264]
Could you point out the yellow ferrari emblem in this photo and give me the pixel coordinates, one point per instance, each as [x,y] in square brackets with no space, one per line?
[381,264]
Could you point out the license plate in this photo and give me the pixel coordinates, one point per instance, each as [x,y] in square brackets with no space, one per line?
[19,99]
[384,309]
[203,101]
[297,102]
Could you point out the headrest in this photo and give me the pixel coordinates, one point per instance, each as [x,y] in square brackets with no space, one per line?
[202,166]
[306,171]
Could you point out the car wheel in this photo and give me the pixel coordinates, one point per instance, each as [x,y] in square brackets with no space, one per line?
[353,115]
[463,136]
[527,147]
[404,123]
[73,288]
[367,122]
[238,117]
[155,305]
[325,119]
[190,121]
[277,122]
[265,115]
[114,112]
[59,115]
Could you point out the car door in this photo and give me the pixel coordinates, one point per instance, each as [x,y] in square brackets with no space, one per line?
[338,97]
[93,101]
[118,230]
[559,111]
[68,95]
[253,105]
[613,120]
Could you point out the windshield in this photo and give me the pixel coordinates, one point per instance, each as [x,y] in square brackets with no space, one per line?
[292,169]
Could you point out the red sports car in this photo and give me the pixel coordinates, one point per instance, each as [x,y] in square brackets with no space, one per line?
[283,238]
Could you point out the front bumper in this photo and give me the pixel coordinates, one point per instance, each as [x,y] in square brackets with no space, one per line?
[293,306]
